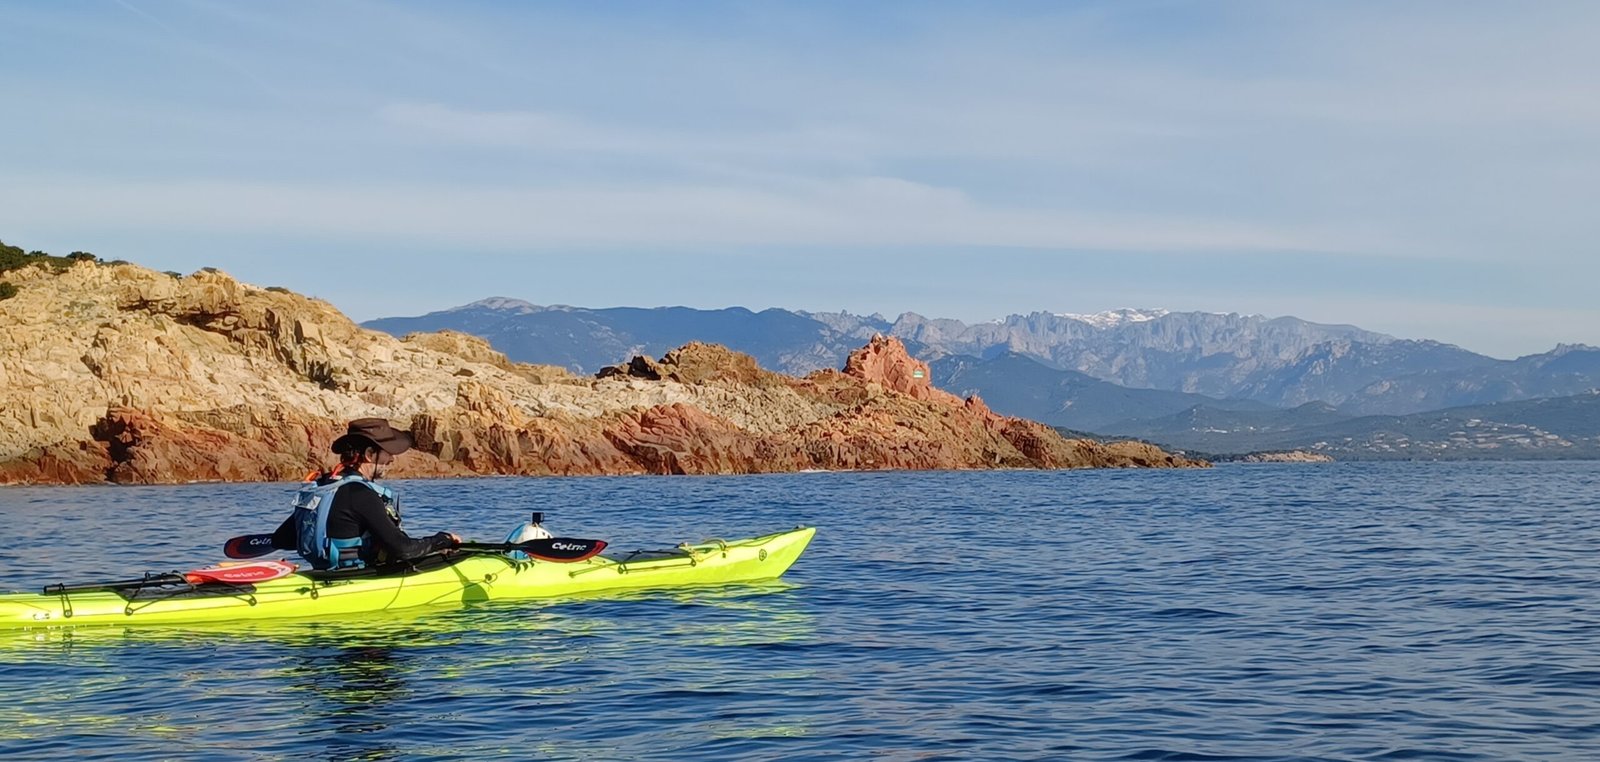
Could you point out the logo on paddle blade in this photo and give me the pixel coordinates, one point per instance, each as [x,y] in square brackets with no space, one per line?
[563,549]
[260,571]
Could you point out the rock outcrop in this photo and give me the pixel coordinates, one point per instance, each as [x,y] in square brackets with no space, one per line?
[119,373]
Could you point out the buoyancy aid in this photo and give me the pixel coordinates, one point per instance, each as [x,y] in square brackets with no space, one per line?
[311,506]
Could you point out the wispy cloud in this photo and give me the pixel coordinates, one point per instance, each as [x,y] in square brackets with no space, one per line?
[862,211]
[1461,135]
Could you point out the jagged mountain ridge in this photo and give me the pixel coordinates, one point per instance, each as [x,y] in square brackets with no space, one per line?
[1281,362]
[1198,352]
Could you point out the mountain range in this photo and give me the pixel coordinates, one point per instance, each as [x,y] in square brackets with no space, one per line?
[1125,372]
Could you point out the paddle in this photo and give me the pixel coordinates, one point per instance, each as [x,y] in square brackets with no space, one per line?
[240,574]
[227,574]
[557,549]
[248,546]
[562,550]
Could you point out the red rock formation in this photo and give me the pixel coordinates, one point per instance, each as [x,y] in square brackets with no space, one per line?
[885,361]
[77,463]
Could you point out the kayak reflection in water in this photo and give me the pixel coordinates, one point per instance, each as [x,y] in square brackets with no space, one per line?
[352,695]
[343,519]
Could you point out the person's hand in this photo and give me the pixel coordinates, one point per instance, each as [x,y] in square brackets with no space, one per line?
[451,539]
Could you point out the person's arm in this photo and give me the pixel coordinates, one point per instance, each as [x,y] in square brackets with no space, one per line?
[366,507]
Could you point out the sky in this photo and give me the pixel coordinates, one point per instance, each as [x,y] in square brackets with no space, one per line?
[1424,169]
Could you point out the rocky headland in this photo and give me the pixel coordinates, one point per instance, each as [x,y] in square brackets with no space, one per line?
[114,372]
[1289,456]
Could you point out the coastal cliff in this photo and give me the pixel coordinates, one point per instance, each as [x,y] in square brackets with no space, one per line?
[117,372]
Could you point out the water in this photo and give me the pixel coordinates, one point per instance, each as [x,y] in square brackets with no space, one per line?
[1344,611]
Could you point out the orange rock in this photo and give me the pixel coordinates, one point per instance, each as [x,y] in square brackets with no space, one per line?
[884,360]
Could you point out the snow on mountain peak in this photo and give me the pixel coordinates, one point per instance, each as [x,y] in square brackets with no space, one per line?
[1114,318]
[502,303]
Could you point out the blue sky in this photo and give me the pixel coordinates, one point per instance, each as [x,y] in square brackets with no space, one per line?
[1426,169]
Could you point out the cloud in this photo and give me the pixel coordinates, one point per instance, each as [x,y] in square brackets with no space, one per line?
[714,150]
[860,211]
[524,129]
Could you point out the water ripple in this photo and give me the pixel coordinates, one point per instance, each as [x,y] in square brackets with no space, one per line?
[1342,612]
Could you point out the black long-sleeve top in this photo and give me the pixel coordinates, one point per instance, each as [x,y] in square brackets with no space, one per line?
[358,510]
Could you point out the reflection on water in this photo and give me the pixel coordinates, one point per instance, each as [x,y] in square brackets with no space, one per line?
[348,692]
[386,686]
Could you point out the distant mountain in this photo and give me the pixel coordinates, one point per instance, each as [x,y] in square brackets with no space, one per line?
[1198,352]
[1025,387]
[1569,369]
[1278,362]
[1358,376]
[585,340]
[1558,427]
[1282,362]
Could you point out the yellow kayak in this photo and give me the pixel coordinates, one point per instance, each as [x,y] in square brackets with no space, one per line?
[450,580]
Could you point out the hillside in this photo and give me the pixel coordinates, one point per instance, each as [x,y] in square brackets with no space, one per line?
[1020,385]
[116,372]
[1558,427]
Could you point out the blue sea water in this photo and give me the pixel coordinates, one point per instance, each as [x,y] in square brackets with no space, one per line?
[1334,611]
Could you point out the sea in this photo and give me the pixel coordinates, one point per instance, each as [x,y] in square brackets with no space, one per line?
[1341,611]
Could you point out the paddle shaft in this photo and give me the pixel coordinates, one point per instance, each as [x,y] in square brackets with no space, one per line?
[546,544]
[558,549]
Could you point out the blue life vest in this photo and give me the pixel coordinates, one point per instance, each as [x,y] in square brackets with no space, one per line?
[311,506]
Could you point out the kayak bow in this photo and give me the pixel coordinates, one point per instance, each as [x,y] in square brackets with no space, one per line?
[442,581]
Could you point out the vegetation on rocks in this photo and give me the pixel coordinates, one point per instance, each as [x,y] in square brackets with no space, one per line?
[13,258]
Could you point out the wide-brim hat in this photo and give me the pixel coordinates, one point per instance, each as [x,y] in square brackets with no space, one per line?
[378,433]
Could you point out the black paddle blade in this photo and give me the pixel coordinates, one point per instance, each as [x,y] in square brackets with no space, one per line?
[248,546]
[564,550]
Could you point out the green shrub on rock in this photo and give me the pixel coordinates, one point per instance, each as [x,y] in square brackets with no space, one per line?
[13,257]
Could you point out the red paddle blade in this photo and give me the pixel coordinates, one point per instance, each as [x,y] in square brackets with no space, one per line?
[240,574]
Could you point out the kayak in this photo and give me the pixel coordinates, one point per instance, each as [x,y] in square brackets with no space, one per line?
[446,580]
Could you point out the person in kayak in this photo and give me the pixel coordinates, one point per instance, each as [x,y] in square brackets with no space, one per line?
[343,519]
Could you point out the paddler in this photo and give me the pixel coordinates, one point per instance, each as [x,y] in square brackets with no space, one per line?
[343,519]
